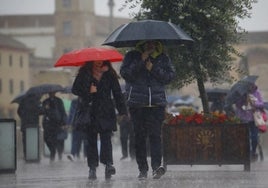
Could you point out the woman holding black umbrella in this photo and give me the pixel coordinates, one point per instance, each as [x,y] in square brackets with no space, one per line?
[94,84]
[147,70]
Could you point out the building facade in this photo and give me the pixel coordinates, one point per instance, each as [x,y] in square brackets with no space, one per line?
[74,25]
[14,73]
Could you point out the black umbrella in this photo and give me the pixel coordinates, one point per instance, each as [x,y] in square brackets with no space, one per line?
[19,97]
[215,93]
[24,96]
[240,88]
[127,35]
[67,89]
[44,88]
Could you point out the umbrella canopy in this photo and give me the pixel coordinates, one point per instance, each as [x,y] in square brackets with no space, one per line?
[67,89]
[19,98]
[240,88]
[215,93]
[128,35]
[79,57]
[44,88]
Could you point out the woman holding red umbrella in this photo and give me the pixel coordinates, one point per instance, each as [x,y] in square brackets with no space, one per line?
[95,82]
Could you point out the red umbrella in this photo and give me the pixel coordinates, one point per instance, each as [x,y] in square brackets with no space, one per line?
[79,57]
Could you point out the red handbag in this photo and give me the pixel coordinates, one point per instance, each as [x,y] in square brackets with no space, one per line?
[263,128]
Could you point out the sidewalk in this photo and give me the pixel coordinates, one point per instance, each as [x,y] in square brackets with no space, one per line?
[66,174]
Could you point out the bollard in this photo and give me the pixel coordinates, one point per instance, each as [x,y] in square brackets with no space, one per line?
[32,144]
[8,155]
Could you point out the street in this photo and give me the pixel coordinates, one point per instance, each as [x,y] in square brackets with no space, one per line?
[74,175]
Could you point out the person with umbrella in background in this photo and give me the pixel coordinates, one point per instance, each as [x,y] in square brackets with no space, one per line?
[94,84]
[217,98]
[29,109]
[147,70]
[249,101]
[54,121]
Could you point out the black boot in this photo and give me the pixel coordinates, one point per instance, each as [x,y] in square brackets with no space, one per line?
[109,171]
[92,174]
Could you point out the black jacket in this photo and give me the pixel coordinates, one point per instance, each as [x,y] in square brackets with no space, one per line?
[54,113]
[103,106]
[143,87]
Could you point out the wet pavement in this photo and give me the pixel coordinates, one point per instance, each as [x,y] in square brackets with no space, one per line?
[67,174]
[74,174]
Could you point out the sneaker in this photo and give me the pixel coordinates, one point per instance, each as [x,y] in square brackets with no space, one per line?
[160,171]
[92,174]
[254,157]
[70,157]
[142,175]
[109,171]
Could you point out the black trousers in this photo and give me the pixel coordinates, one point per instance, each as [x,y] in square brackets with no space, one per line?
[106,155]
[147,122]
[54,145]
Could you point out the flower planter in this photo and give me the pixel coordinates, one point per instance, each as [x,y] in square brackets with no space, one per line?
[206,144]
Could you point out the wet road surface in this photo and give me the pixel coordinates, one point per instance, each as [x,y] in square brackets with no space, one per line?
[66,174]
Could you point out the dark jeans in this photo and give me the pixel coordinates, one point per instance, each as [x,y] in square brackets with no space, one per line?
[254,136]
[106,155]
[54,145]
[147,122]
[78,137]
[127,139]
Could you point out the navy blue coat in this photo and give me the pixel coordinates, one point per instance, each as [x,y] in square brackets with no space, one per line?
[143,87]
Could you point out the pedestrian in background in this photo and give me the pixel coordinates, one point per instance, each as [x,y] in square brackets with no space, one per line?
[146,71]
[218,103]
[245,108]
[78,136]
[54,124]
[94,84]
[30,107]
[127,137]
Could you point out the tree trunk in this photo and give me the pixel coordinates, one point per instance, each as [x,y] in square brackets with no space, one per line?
[201,88]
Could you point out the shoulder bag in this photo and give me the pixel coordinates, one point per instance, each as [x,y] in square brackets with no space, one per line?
[82,117]
[260,120]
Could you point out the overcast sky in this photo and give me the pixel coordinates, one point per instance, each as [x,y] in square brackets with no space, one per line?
[258,21]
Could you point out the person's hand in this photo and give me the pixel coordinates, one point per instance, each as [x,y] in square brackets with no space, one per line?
[149,65]
[93,88]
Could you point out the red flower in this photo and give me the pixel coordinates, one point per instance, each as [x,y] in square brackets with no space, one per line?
[201,118]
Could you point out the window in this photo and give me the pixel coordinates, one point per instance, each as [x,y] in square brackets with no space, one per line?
[21,61]
[21,86]
[67,28]
[10,60]
[11,87]
[66,3]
